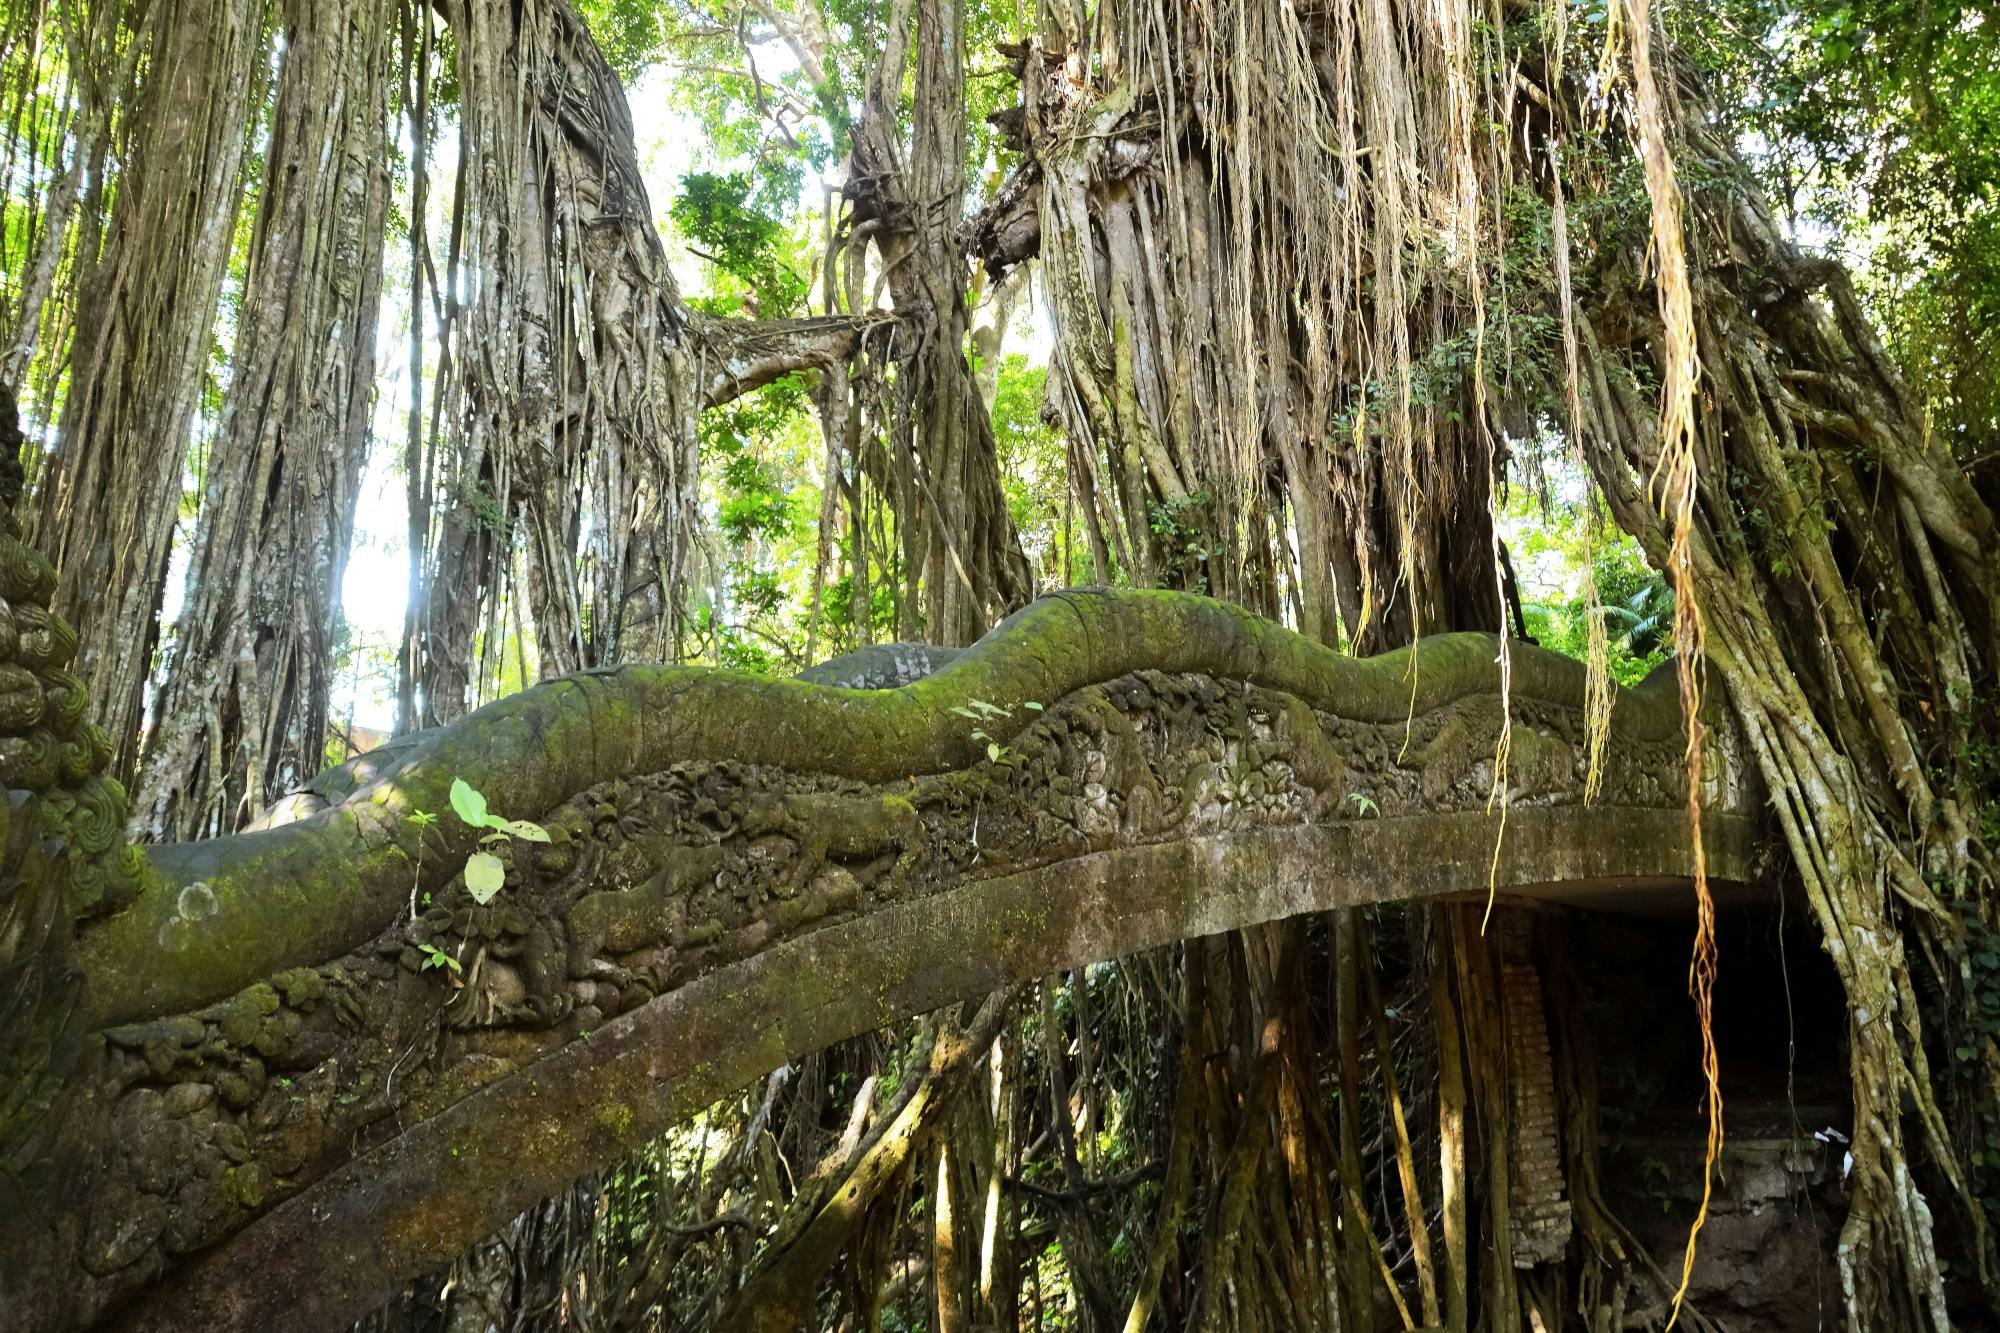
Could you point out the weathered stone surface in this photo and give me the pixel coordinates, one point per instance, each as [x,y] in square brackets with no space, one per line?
[882,666]
[303,1104]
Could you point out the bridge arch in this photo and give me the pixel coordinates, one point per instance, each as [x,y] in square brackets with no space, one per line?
[744,871]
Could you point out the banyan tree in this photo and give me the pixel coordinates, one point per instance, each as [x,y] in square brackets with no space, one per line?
[1059,973]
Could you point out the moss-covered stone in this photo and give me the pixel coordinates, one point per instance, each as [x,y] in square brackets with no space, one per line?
[309,890]
[242,1020]
[300,986]
[248,1185]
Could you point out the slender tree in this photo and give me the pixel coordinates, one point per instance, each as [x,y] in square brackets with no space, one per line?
[959,539]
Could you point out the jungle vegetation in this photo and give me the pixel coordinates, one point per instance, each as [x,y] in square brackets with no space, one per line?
[1664,334]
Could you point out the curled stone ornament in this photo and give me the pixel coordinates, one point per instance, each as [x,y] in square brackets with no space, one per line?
[63,857]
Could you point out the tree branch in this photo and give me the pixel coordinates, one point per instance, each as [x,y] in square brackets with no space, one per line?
[739,356]
[1008,230]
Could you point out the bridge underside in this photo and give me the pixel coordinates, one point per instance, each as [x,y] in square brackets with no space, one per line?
[294,1115]
[414,1203]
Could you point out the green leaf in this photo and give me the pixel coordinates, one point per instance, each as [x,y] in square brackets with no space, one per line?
[484,876]
[993,751]
[436,957]
[469,804]
[518,828]
[524,830]
[1031,704]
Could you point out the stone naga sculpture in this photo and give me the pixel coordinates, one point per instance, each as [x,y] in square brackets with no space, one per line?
[236,1097]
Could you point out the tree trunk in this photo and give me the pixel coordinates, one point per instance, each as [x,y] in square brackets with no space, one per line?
[109,504]
[1844,568]
[241,715]
[573,372]
[958,533]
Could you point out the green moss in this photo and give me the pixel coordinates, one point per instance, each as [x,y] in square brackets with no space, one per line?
[300,986]
[248,1185]
[243,1018]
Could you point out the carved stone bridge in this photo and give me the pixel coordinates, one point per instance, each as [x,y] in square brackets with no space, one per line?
[282,1113]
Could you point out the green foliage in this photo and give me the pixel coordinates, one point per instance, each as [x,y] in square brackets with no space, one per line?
[1181,532]
[1878,123]
[880,612]
[436,957]
[629,32]
[467,803]
[423,821]
[1033,469]
[485,874]
[1553,549]
[755,107]
[982,712]
[759,455]
[728,224]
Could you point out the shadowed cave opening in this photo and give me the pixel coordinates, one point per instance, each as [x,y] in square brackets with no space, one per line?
[1766,1262]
